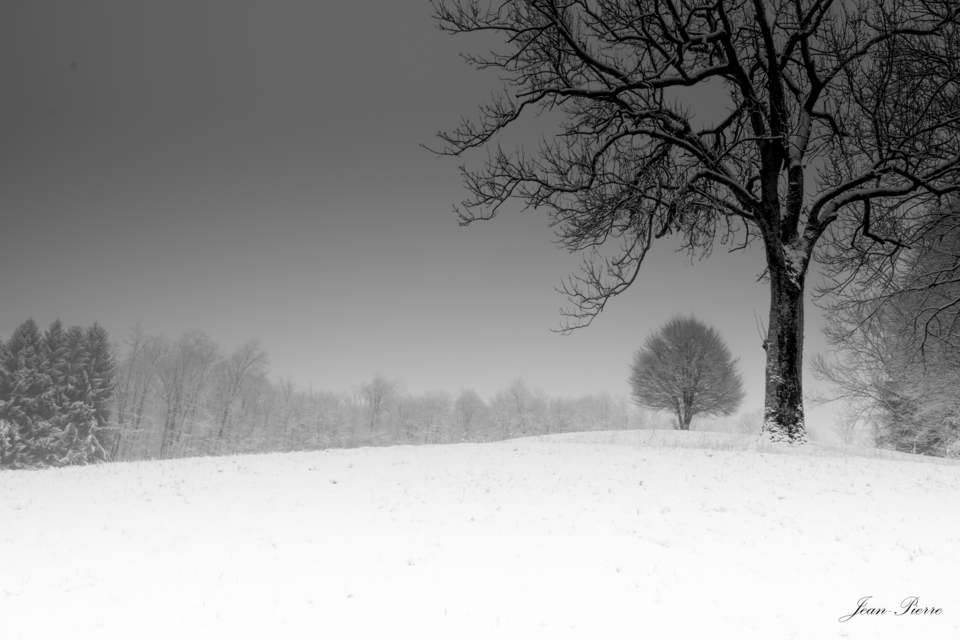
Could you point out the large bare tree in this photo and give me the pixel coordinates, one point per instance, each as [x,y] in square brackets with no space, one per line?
[726,121]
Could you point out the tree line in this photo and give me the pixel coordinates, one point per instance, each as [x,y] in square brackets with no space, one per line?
[187,397]
[67,397]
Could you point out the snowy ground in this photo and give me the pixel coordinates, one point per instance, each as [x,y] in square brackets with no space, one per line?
[611,535]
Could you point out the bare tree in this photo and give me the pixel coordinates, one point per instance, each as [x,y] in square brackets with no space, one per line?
[908,402]
[124,390]
[518,411]
[138,373]
[246,363]
[897,339]
[376,395]
[286,394]
[184,372]
[425,418]
[126,379]
[718,120]
[686,368]
[469,410]
[921,280]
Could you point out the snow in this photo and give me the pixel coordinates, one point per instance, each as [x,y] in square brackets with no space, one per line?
[796,261]
[599,535]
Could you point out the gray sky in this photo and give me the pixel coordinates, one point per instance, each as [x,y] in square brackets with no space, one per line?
[252,169]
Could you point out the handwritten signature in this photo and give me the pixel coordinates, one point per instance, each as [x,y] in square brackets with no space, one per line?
[909,606]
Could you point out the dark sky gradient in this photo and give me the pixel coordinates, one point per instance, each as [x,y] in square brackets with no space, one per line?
[253,169]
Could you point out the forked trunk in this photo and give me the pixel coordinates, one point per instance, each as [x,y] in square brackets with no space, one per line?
[783,410]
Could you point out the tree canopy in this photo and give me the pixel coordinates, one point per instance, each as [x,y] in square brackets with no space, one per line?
[686,368]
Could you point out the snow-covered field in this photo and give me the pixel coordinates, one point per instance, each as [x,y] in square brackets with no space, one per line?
[601,535]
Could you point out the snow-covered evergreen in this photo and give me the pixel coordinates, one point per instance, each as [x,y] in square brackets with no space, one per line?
[55,389]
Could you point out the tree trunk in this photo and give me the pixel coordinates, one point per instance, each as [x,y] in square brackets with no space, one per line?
[171,422]
[684,417]
[783,411]
[166,442]
[115,446]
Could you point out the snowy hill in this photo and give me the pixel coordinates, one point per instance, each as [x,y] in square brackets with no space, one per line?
[596,535]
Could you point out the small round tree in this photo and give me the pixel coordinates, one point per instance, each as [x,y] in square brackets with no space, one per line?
[685,367]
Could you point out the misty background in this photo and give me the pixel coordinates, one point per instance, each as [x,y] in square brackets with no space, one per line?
[255,171]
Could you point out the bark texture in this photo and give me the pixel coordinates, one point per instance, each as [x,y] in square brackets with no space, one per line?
[783,419]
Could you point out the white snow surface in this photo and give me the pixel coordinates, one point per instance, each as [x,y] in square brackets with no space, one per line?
[600,535]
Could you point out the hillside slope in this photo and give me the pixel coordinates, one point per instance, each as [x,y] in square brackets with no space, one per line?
[574,536]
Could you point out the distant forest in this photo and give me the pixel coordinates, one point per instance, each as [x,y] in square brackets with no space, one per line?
[71,396]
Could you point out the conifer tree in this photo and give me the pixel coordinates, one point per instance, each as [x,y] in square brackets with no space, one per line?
[101,371]
[57,363]
[29,396]
[77,370]
[54,391]
[6,429]
[4,375]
